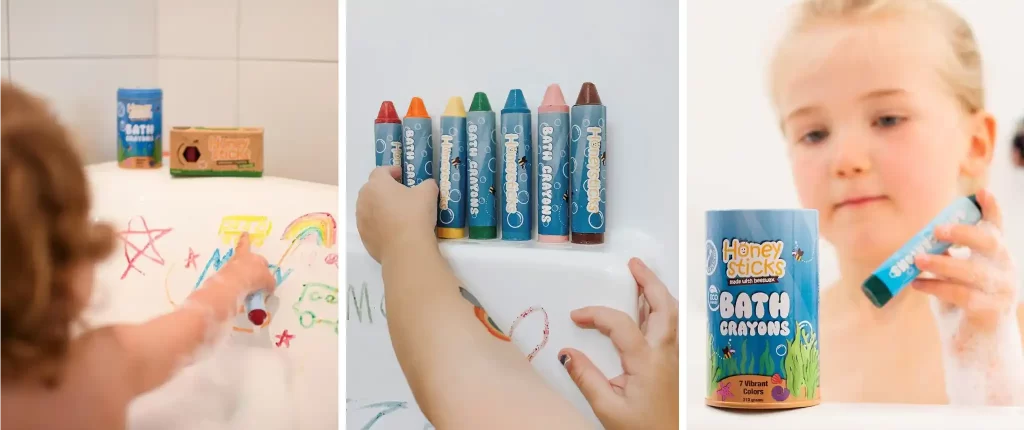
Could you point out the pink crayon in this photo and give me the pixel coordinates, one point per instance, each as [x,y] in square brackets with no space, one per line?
[553,168]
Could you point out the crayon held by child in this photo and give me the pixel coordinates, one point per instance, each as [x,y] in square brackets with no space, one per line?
[482,138]
[589,172]
[418,146]
[516,168]
[553,168]
[387,135]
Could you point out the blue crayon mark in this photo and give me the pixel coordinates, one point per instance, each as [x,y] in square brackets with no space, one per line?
[217,261]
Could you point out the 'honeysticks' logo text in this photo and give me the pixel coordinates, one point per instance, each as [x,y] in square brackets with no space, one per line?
[594,169]
[511,184]
[753,263]
[446,170]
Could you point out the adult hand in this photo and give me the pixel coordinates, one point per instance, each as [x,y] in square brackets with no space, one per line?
[388,214]
[646,395]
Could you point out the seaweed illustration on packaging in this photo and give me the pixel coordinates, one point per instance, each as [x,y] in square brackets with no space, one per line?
[767,362]
[801,363]
[714,368]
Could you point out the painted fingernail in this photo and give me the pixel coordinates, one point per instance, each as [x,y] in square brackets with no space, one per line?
[564,359]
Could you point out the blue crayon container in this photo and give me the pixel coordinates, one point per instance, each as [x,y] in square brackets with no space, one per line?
[418,151]
[388,144]
[482,138]
[451,178]
[516,168]
[762,301]
[553,177]
[139,128]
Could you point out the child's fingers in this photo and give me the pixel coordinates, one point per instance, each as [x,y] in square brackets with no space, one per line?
[978,239]
[385,171]
[619,327]
[990,210]
[593,384]
[968,272]
[958,295]
[243,243]
[658,297]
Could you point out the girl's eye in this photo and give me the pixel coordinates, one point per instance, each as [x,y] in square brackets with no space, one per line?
[814,136]
[886,121]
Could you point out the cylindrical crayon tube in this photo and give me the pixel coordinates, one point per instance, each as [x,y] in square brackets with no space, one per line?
[516,169]
[418,150]
[451,172]
[387,135]
[587,167]
[256,308]
[553,168]
[482,138]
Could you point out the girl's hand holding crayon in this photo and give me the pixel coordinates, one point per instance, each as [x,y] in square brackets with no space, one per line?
[389,214]
[982,288]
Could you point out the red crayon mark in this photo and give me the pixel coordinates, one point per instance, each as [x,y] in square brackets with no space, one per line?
[285,339]
[191,261]
[547,329]
[151,237]
[332,259]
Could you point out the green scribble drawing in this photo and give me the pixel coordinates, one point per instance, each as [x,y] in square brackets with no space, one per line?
[767,363]
[801,363]
[714,368]
[310,302]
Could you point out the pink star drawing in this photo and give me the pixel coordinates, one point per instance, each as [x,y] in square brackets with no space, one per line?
[151,236]
[191,261]
[285,339]
[724,391]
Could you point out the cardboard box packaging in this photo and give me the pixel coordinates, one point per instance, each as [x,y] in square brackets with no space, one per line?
[208,151]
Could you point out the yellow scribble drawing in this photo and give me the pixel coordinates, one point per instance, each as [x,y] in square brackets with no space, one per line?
[232,226]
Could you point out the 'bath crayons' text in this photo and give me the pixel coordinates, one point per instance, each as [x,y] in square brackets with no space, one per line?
[743,308]
[546,174]
[410,156]
[474,172]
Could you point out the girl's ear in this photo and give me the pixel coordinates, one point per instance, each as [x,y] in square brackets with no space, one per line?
[982,128]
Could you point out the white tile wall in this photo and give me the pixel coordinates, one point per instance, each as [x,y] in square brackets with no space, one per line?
[202,53]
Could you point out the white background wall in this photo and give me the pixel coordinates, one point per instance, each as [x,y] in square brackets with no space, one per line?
[736,156]
[219,62]
[439,49]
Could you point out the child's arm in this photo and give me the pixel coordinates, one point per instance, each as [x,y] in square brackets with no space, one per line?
[461,376]
[156,349]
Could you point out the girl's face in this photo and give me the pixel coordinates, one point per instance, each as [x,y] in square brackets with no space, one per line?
[876,138]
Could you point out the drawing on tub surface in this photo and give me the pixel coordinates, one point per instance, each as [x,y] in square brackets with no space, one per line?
[284,339]
[481,315]
[152,235]
[232,226]
[191,261]
[493,328]
[331,259]
[217,261]
[304,307]
[547,329]
[317,225]
[362,302]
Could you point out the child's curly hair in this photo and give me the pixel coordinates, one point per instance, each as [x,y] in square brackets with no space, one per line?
[47,235]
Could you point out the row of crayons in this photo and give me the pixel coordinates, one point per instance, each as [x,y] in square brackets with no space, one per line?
[481,165]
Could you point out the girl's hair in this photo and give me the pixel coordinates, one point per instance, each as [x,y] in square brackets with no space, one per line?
[962,71]
[47,237]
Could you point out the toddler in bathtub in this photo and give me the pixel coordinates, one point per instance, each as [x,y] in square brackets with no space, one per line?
[882,106]
[50,378]
[462,377]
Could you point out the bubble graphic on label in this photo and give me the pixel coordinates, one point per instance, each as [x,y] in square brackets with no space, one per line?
[428,167]
[586,122]
[455,176]
[572,163]
[482,179]
[558,122]
[557,185]
[417,126]
[780,350]
[504,130]
[494,136]
[453,132]
[381,146]
[576,133]
[545,222]
[575,208]
[710,258]
[446,216]
[713,298]
[586,186]
[523,197]
[430,141]
[480,120]
[419,181]
[596,223]
[565,167]
[517,216]
[454,195]
[120,109]
[600,123]
[518,129]
[542,125]
[491,165]
[522,176]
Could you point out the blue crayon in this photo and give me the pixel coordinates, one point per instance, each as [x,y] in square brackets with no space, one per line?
[417,138]
[516,168]
[588,135]
[483,164]
[387,135]
[553,167]
[451,172]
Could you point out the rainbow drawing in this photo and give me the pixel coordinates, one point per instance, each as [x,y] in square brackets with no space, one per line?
[320,225]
